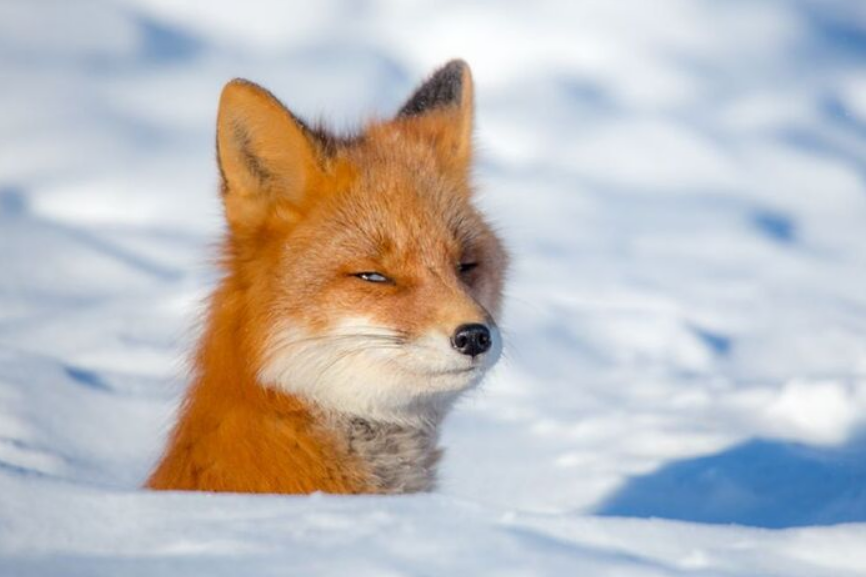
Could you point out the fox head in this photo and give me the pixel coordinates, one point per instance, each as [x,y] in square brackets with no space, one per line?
[367,281]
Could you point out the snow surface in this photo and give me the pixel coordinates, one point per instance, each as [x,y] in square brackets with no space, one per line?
[681,184]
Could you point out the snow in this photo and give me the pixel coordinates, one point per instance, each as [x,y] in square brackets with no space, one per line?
[681,184]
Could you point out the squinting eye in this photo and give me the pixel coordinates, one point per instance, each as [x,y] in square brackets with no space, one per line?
[465,267]
[373,277]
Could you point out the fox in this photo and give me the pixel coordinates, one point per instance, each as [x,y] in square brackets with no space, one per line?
[357,302]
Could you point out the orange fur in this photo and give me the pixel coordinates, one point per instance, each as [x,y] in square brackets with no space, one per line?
[232,429]
[304,214]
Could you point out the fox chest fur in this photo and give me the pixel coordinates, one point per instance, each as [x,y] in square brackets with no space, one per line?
[400,458]
[358,300]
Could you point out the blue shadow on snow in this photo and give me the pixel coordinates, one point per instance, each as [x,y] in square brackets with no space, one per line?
[775,225]
[760,483]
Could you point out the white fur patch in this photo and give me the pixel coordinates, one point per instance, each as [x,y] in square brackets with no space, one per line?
[367,370]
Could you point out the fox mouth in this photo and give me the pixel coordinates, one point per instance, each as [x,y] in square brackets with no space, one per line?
[458,371]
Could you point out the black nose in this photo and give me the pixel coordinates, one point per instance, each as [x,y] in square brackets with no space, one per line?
[472,339]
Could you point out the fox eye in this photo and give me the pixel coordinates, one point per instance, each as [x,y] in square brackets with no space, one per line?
[465,267]
[373,277]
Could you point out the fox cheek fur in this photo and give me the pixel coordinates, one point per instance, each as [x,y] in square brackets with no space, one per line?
[358,301]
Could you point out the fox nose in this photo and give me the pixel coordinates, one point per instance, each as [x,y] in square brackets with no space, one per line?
[472,339]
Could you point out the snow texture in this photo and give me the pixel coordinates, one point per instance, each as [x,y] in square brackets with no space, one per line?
[681,183]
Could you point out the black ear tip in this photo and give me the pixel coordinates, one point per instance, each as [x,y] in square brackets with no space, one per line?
[450,73]
[443,88]
[453,72]
[454,66]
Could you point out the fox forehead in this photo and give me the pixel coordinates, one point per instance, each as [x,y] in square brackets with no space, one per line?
[398,202]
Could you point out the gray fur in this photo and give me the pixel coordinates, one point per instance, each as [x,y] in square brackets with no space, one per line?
[402,458]
[444,88]
[253,163]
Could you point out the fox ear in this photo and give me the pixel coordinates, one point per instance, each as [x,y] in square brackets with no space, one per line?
[266,159]
[441,111]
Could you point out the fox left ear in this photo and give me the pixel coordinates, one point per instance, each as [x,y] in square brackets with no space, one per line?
[441,112]
[267,160]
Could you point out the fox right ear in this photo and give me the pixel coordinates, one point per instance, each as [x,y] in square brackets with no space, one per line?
[266,159]
[440,112]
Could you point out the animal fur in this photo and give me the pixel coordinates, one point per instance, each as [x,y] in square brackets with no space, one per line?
[328,359]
